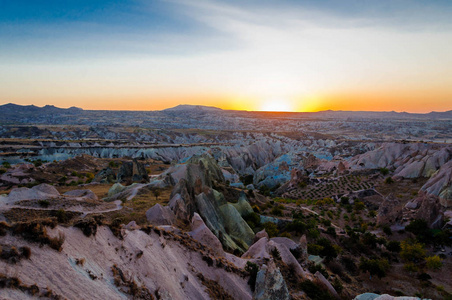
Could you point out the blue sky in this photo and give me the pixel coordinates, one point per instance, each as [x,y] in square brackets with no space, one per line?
[233,51]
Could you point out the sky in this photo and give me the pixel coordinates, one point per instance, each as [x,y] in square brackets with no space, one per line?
[281,55]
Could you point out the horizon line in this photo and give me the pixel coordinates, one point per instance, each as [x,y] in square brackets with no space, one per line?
[238,110]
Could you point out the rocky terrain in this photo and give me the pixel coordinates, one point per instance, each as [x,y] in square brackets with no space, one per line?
[320,207]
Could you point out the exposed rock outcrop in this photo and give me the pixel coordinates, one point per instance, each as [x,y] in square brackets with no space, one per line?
[160,215]
[106,175]
[133,171]
[194,192]
[390,211]
[39,192]
[270,284]
[202,234]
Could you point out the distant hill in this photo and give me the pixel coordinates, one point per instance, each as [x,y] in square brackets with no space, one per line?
[193,108]
[14,108]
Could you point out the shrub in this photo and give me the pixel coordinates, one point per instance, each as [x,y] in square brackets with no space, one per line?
[337,284]
[328,251]
[61,216]
[314,249]
[434,262]
[252,219]
[410,267]
[275,253]
[88,226]
[313,233]
[36,232]
[44,203]
[252,270]
[349,265]
[313,268]
[412,251]
[25,252]
[384,171]
[377,267]
[420,228]
[314,291]
[286,234]
[277,211]
[393,246]
[387,230]
[6,164]
[271,229]
[331,231]
[389,180]
[296,226]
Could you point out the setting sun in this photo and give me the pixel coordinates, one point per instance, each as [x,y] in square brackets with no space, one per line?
[276,105]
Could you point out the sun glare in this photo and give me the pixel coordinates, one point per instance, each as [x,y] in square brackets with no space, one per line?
[276,105]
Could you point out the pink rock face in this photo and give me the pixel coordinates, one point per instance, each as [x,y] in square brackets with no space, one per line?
[170,270]
[202,234]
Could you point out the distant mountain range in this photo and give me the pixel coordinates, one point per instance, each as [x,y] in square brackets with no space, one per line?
[49,114]
[24,109]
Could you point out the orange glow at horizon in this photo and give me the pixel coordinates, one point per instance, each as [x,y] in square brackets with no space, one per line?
[419,102]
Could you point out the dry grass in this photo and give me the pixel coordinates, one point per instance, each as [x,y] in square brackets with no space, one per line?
[135,209]
[15,215]
[101,190]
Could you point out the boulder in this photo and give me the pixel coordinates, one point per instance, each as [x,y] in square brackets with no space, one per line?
[160,215]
